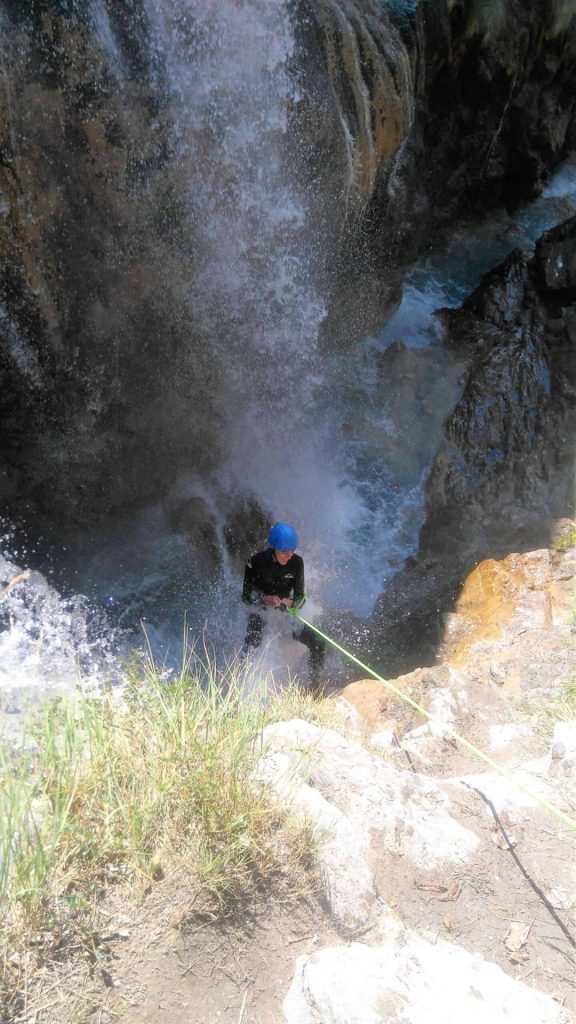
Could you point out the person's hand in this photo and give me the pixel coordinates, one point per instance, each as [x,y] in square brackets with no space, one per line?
[271,600]
[287,601]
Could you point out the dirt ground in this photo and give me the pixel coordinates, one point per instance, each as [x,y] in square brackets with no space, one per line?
[499,900]
[221,973]
[150,968]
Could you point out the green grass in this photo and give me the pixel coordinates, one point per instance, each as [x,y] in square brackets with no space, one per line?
[543,713]
[162,781]
[567,540]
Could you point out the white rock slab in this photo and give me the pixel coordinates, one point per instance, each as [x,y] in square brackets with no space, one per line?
[413,983]
[507,734]
[347,881]
[358,802]
[508,797]
[408,813]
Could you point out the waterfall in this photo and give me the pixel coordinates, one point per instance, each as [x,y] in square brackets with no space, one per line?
[225,65]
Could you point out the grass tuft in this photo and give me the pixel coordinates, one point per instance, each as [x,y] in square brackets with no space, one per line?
[543,713]
[101,791]
[567,540]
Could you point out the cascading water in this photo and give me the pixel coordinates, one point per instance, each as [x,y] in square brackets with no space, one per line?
[222,70]
[225,67]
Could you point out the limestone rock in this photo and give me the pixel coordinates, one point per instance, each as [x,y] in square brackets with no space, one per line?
[377,704]
[534,781]
[347,881]
[358,801]
[413,982]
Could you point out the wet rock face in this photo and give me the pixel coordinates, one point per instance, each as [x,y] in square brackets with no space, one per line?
[556,262]
[497,110]
[505,468]
[505,465]
[246,530]
[99,359]
[354,113]
[421,112]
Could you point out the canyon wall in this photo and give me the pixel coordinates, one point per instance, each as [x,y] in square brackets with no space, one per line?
[401,118]
[505,470]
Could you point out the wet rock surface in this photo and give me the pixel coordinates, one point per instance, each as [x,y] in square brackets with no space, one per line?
[446,109]
[505,468]
[96,321]
[556,260]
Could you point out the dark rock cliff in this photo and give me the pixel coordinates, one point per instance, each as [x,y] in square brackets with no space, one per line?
[98,354]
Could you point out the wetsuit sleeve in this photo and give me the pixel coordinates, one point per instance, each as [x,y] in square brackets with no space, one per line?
[251,593]
[298,592]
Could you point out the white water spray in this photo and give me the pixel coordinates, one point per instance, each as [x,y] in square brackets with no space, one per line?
[226,66]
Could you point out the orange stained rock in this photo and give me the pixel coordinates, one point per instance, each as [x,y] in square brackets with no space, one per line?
[488,600]
[370,697]
[372,88]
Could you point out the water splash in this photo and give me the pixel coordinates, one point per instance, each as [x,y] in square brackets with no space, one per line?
[225,65]
[446,277]
[105,33]
[48,644]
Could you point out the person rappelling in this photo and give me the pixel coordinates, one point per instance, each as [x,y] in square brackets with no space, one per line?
[274,580]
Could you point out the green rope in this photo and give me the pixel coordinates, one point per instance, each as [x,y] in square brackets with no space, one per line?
[571,822]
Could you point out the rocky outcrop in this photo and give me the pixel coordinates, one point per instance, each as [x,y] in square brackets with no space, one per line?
[505,468]
[412,981]
[360,802]
[507,635]
[425,852]
[556,265]
[422,112]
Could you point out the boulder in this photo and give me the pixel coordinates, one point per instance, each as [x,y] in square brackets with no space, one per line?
[359,803]
[411,982]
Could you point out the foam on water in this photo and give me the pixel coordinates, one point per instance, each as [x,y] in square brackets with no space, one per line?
[48,645]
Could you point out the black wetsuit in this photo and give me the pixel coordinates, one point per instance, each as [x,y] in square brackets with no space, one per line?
[263,575]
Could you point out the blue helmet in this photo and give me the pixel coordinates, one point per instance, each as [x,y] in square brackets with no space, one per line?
[283,537]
